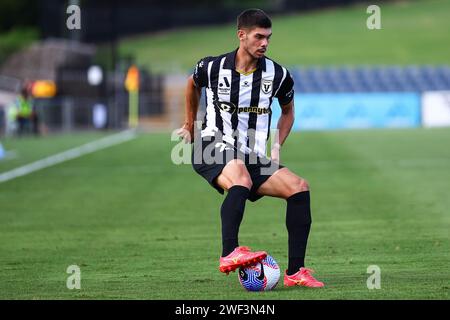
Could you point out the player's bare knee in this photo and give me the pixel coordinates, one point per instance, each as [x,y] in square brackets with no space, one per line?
[241,177]
[245,181]
[237,174]
[299,185]
[304,185]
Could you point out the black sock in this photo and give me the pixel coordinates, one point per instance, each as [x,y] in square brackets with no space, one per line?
[298,223]
[231,213]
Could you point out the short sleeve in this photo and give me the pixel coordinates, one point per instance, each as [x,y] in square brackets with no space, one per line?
[201,72]
[286,92]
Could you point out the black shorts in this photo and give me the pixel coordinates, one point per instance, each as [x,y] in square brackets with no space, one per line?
[210,156]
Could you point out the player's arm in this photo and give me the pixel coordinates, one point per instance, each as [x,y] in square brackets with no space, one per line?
[285,122]
[193,94]
[284,126]
[285,97]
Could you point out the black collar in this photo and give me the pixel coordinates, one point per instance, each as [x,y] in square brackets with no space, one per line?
[230,61]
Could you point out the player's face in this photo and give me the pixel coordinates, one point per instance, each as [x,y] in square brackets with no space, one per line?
[255,41]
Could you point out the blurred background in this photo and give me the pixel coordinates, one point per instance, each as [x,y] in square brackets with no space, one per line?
[75,75]
[346,75]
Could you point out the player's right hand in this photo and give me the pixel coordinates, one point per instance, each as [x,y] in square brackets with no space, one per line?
[186,133]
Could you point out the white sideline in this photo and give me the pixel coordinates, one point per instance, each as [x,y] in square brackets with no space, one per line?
[70,154]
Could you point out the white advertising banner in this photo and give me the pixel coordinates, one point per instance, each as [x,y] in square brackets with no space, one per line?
[436,109]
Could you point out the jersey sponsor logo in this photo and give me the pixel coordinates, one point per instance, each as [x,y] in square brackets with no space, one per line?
[290,94]
[224,86]
[231,108]
[266,86]
[225,106]
[256,110]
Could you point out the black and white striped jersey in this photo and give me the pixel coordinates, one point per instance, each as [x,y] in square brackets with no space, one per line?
[238,106]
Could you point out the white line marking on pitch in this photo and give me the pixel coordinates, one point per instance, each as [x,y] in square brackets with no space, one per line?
[70,154]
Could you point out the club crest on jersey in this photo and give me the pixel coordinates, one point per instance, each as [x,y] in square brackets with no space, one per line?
[266,86]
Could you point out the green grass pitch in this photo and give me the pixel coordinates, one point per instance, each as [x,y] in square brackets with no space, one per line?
[140,227]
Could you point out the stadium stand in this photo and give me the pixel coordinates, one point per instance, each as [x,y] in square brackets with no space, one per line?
[371,79]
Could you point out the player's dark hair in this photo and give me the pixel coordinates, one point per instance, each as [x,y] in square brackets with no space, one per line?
[253,18]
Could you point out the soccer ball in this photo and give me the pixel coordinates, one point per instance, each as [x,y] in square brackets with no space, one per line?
[262,276]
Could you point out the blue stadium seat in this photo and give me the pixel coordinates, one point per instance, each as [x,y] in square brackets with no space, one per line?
[372,78]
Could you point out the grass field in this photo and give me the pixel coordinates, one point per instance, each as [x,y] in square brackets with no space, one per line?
[140,227]
[413,32]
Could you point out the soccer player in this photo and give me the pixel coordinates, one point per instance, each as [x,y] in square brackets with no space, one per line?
[230,151]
